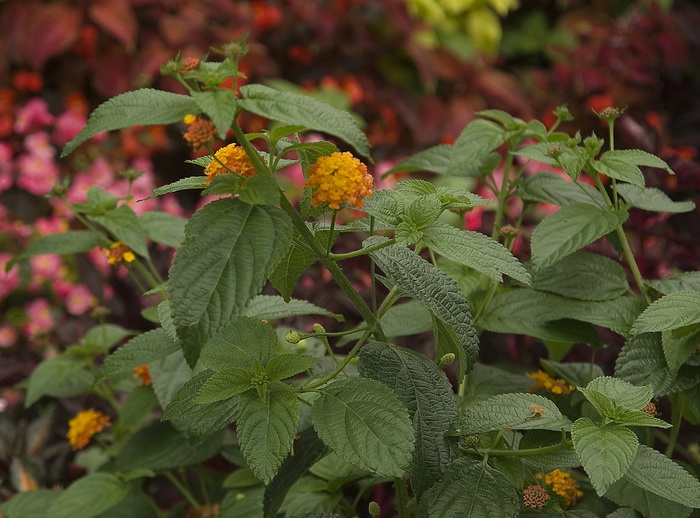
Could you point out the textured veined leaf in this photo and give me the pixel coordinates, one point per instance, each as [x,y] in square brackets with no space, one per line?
[140,350]
[61,376]
[65,243]
[677,309]
[428,395]
[163,228]
[475,250]
[30,504]
[266,428]
[606,451]
[652,199]
[270,307]
[551,188]
[89,496]
[243,343]
[288,271]
[183,184]
[473,145]
[140,107]
[435,159]
[679,345]
[223,385]
[230,249]
[678,282]
[645,502]
[570,228]
[624,394]
[386,205]
[292,108]
[220,106]
[623,165]
[124,224]
[365,424]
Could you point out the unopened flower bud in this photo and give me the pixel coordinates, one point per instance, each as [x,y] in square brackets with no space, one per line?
[469,442]
[171,67]
[446,360]
[132,174]
[99,312]
[374,509]
[562,113]
[509,231]
[610,113]
[293,337]
[234,49]
[650,408]
[318,328]
[59,190]
[555,151]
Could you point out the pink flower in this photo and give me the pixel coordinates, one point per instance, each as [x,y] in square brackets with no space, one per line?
[33,115]
[8,336]
[46,266]
[80,300]
[8,280]
[379,169]
[38,175]
[68,125]
[51,225]
[40,319]
[39,145]
[5,167]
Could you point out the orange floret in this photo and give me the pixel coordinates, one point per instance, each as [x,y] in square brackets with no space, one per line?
[231,158]
[84,425]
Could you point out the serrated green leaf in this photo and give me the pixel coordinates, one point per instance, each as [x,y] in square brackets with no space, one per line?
[103,337]
[678,282]
[543,462]
[606,452]
[163,228]
[166,319]
[551,188]
[386,205]
[677,309]
[30,504]
[466,278]
[570,228]
[243,504]
[288,271]
[137,409]
[639,418]
[647,503]
[230,249]
[65,243]
[183,184]
[183,402]
[266,429]
[485,381]
[272,307]
[61,376]
[260,190]
[584,276]
[140,350]
[243,343]
[365,424]
[223,385]
[285,366]
[623,165]
[470,489]
[435,159]
[516,411]
[409,318]
[473,145]
[605,406]
[140,107]
[679,345]
[89,496]
[124,225]
[434,289]
[428,395]
[309,449]
[219,105]
[133,505]
[168,375]
[459,199]
[292,108]
[653,471]
[652,199]
[475,250]
[624,394]
[423,211]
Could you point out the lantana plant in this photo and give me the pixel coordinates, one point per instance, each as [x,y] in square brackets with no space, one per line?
[357,421]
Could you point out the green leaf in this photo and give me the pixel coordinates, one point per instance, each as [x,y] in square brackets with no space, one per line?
[678,282]
[140,107]
[623,393]
[132,505]
[570,228]
[140,350]
[285,366]
[623,165]
[271,307]
[652,199]
[475,250]
[409,318]
[647,503]
[183,184]
[605,451]
[66,243]
[230,249]
[30,504]
[260,190]
[470,489]
[243,343]
[61,376]
[243,504]
[161,227]
[137,410]
[516,411]
[103,337]
[639,418]
[223,385]
[183,402]
[551,188]
[584,276]
[428,395]
[365,424]
[292,108]
[168,375]
[220,106]
[386,205]
[472,147]
[125,226]
[161,447]
[435,159]
[653,471]
[288,271]
[485,381]
[437,291]
[677,309]
[89,496]
[680,344]
[309,449]
[266,429]
[543,462]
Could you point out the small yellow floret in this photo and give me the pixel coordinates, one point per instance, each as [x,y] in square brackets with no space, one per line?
[119,253]
[339,178]
[189,118]
[84,425]
[227,159]
[552,385]
[564,485]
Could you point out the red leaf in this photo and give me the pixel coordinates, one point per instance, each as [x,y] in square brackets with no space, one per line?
[117,18]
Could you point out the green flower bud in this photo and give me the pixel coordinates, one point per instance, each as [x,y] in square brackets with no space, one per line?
[469,442]
[318,328]
[562,113]
[374,509]
[293,337]
[446,360]
[610,113]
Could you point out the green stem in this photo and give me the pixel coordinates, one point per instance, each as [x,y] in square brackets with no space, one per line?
[324,339]
[330,235]
[362,251]
[182,489]
[401,497]
[503,196]
[331,375]
[692,456]
[527,452]
[678,402]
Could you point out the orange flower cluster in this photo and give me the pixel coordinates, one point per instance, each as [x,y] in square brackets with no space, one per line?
[199,131]
[564,485]
[84,425]
[535,496]
[141,372]
[119,253]
[189,65]
[552,385]
[339,178]
[227,159]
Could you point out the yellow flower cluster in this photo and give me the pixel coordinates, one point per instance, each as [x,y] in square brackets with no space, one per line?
[564,485]
[339,178]
[119,253]
[84,425]
[553,385]
[234,159]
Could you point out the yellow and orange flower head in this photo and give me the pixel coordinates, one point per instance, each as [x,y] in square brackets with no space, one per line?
[142,373]
[339,178]
[199,131]
[84,425]
[553,385]
[227,159]
[119,253]
[564,485]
